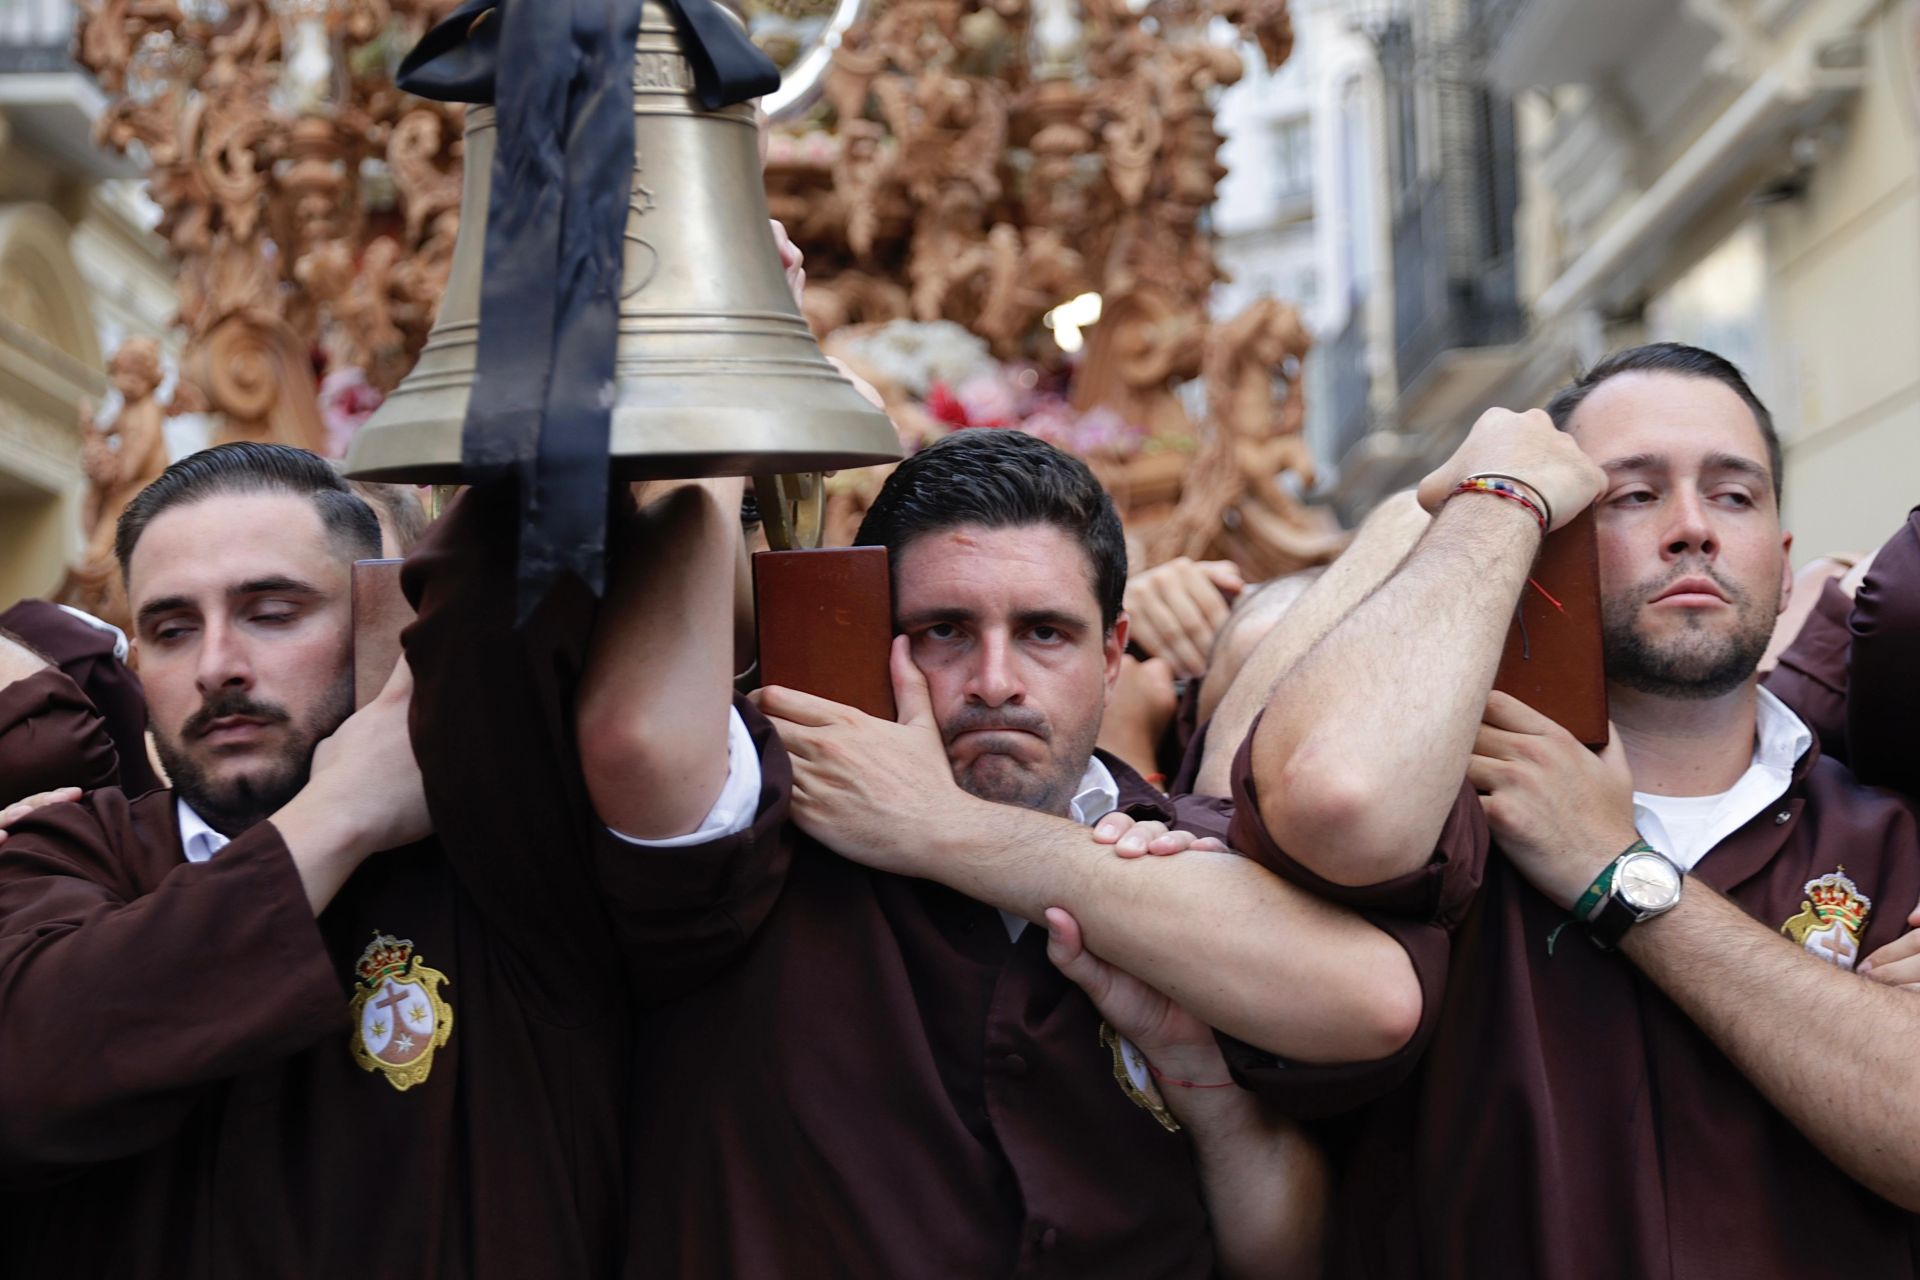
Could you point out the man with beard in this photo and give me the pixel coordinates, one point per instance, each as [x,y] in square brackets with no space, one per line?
[892,1079]
[1634,1072]
[259,1024]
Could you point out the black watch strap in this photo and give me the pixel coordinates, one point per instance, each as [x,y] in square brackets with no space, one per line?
[1612,921]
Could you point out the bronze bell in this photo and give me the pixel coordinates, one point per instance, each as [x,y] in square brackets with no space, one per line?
[717,373]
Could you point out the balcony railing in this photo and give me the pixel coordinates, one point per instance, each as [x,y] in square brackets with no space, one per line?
[1453,237]
[36,36]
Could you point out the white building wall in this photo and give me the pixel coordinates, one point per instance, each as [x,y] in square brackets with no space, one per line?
[1301,214]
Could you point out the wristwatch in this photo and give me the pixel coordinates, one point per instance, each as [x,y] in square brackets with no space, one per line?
[1636,886]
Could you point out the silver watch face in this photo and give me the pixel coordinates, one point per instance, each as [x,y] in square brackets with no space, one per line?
[1647,882]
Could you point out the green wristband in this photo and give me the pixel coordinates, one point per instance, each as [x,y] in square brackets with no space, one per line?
[1602,885]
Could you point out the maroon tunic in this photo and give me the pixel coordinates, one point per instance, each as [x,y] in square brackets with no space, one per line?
[1556,1115]
[178,1095]
[881,1084]
[1883,671]
[885,1086]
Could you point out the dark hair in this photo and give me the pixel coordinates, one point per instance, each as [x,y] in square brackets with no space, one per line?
[1675,358]
[244,466]
[999,478]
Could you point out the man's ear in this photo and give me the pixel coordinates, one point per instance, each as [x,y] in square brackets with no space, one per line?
[1786,571]
[1115,648]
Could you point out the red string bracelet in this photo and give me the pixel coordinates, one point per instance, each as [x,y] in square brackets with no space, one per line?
[1157,1074]
[1502,488]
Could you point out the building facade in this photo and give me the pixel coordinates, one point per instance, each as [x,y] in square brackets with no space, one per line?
[1745,175]
[1740,174]
[79,271]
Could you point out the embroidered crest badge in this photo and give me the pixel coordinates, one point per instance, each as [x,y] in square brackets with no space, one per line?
[398,1015]
[1832,919]
[1136,1080]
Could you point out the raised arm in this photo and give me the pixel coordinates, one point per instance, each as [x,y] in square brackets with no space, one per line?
[653,705]
[533,741]
[1376,551]
[1385,707]
[1250,954]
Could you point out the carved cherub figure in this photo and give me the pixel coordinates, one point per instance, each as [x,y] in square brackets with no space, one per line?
[120,458]
[124,456]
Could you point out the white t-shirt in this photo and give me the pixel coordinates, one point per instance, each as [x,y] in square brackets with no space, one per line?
[1686,828]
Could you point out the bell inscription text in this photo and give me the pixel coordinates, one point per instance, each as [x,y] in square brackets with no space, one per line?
[661,71]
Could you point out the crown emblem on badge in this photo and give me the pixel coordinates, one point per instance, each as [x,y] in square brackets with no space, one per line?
[1834,897]
[384,955]
[1833,918]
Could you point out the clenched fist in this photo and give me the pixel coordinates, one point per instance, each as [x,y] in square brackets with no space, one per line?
[1528,447]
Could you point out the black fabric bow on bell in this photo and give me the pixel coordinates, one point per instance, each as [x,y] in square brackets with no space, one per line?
[559,75]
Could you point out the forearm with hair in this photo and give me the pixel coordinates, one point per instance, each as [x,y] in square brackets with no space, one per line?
[1359,757]
[1376,551]
[1243,950]
[1852,1090]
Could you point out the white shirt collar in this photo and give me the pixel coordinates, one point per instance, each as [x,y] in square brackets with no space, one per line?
[1780,739]
[197,840]
[1098,796]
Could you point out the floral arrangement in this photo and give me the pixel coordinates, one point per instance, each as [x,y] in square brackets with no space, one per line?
[1023,397]
[949,374]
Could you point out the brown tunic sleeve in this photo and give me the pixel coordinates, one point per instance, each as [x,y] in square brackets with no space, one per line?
[51,736]
[492,727]
[1419,910]
[1812,675]
[86,654]
[1883,674]
[216,969]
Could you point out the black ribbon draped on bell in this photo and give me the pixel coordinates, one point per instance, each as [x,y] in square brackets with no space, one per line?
[558,74]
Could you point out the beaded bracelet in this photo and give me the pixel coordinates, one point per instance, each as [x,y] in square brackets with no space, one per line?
[1157,1074]
[1501,487]
[1527,487]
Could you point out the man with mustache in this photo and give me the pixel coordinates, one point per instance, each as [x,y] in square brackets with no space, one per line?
[893,1079]
[1633,1072]
[260,1024]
